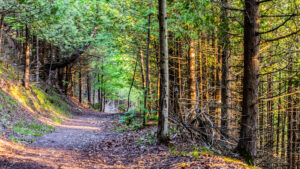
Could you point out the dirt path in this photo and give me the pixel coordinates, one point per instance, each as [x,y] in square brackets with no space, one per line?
[66,147]
[87,142]
[76,133]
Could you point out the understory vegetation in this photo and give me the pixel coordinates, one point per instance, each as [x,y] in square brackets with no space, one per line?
[25,114]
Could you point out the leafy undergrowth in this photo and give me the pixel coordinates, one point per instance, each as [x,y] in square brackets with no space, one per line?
[25,114]
[142,145]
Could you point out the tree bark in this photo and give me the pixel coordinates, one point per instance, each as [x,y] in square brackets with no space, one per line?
[270,115]
[1,31]
[37,71]
[291,120]
[27,59]
[164,69]
[248,134]
[88,88]
[192,74]
[146,92]
[278,117]
[80,86]
[225,81]
[99,93]
[200,53]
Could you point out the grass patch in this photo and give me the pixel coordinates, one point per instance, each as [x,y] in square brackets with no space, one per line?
[26,131]
[32,129]
[18,103]
[51,102]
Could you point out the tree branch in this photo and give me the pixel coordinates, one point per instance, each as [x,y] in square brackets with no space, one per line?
[275,16]
[282,24]
[259,2]
[229,8]
[73,57]
[282,37]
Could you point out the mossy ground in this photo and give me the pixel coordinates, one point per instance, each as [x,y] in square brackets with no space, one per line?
[24,112]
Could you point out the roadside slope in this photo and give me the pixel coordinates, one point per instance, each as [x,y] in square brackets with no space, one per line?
[25,114]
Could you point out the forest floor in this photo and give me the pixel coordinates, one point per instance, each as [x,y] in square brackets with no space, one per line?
[90,140]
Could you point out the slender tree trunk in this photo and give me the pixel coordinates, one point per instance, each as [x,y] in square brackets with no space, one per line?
[37,76]
[248,134]
[261,118]
[284,125]
[289,122]
[1,31]
[141,54]
[80,86]
[132,81]
[146,92]
[278,117]
[162,130]
[88,88]
[200,53]
[27,59]
[180,78]
[204,70]
[103,87]
[294,119]
[192,74]
[218,56]
[72,83]
[270,115]
[94,97]
[99,93]
[67,79]
[225,82]
[290,118]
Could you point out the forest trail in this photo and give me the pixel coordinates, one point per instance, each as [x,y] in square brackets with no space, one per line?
[87,141]
[68,146]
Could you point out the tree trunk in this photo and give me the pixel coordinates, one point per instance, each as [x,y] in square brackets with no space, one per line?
[270,115]
[290,123]
[103,87]
[204,70]
[146,92]
[141,54]
[1,31]
[218,70]
[192,74]
[248,135]
[278,117]
[225,82]
[261,118]
[180,77]
[72,83]
[80,86]
[67,78]
[88,88]
[283,129]
[37,71]
[162,130]
[99,93]
[27,59]
[200,54]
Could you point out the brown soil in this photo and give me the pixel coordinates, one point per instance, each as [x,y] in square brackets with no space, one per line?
[86,141]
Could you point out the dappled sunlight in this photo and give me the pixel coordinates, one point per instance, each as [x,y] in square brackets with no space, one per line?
[36,106]
[16,153]
[78,127]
